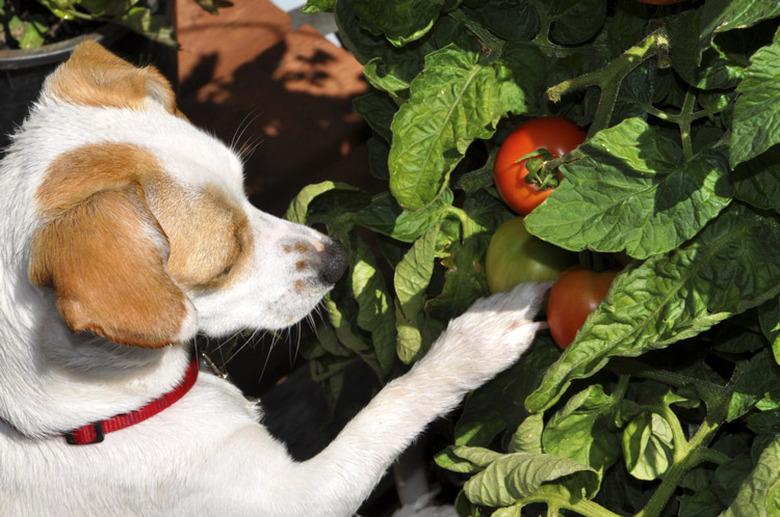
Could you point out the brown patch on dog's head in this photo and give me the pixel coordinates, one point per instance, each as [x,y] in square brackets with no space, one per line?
[104,252]
[209,235]
[94,76]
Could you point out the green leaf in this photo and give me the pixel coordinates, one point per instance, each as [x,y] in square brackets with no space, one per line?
[467,460]
[757,111]
[759,495]
[701,503]
[340,319]
[757,181]
[28,34]
[453,101]
[375,307]
[693,31]
[411,279]
[383,215]
[575,21]
[633,191]
[299,209]
[318,6]
[528,437]
[729,476]
[761,376]
[580,429]
[401,21]
[769,318]
[647,446]
[377,110]
[463,260]
[156,27]
[521,56]
[515,476]
[507,19]
[730,267]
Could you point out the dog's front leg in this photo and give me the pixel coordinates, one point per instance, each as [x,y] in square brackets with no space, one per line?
[485,340]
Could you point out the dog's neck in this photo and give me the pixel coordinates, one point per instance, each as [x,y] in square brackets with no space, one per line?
[69,380]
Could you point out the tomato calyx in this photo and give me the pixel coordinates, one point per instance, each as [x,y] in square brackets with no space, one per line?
[539,174]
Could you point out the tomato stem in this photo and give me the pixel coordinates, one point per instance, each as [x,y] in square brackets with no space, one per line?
[610,77]
[491,44]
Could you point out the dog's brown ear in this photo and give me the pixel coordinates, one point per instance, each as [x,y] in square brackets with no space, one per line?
[105,254]
[93,76]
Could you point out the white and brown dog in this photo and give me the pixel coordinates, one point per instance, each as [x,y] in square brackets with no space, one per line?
[125,231]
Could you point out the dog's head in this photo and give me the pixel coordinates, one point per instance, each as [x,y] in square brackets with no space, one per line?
[139,229]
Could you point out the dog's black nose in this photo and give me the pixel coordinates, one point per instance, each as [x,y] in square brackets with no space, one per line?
[335,262]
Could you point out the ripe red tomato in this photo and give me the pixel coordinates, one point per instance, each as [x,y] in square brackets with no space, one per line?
[556,135]
[575,294]
[515,256]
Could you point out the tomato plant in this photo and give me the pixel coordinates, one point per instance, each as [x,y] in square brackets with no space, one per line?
[518,169]
[515,256]
[676,372]
[575,294]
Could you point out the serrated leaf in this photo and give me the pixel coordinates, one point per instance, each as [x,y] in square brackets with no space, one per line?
[515,476]
[453,101]
[633,190]
[730,267]
[759,494]
[756,123]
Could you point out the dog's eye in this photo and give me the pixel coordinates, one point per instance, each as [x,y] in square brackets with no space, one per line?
[208,236]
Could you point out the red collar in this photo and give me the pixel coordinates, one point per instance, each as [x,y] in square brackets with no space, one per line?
[94,432]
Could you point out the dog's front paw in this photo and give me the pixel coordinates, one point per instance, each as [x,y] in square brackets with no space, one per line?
[491,335]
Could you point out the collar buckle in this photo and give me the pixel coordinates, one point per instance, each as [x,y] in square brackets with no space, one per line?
[81,436]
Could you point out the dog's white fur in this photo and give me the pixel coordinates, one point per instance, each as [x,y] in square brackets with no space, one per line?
[206,454]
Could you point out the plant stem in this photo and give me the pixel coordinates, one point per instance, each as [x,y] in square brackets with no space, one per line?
[686,117]
[468,227]
[697,453]
[583,507]
[610,77]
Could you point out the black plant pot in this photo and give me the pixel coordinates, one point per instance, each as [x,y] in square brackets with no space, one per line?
[22,72]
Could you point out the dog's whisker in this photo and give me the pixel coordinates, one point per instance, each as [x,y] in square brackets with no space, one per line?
[247,121]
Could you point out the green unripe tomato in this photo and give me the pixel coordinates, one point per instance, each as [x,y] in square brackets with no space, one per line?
[515,256]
